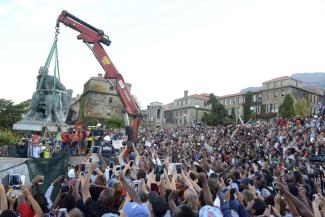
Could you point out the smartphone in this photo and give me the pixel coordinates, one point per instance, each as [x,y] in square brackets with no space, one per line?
[63,212]
[82,167]
[178,168]
[131,163]
[111,165]
[90,159]
[15,180]
[96,149]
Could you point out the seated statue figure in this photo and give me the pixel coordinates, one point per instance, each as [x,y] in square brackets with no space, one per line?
[50,100]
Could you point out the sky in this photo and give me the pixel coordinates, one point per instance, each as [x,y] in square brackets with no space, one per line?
[163,47]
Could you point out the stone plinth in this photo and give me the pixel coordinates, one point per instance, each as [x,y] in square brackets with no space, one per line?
[28,125]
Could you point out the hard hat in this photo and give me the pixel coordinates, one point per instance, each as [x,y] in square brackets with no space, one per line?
[107,138]
[99,125]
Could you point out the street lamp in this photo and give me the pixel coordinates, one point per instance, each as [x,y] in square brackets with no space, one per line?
[197,106]
[252,111]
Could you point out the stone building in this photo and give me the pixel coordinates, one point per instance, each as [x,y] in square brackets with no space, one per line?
[271,95]
[155,113]
[99,100]
[187,109]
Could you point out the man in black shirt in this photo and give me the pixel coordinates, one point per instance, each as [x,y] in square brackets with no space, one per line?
[98,135]
[105,202]
[108,151]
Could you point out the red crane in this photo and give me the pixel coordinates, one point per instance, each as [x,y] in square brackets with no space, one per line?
[94,38]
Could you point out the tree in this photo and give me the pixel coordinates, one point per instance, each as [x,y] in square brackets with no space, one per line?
[10,113]
[217,114]
[247,106]
[301,107]
[287,109]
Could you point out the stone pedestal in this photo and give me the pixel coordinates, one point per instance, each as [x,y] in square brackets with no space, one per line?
[28,125]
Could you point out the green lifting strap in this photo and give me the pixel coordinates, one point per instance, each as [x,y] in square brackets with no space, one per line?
[54,50]
[56,67]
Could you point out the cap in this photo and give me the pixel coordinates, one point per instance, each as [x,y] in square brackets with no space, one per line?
[107,138]
[133,209]
[99,125]
[159,204]
[210,211]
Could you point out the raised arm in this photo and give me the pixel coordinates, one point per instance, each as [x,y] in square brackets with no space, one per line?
[3,199]
[36,207]
[133,194]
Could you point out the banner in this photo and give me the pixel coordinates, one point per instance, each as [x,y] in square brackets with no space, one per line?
[49,168]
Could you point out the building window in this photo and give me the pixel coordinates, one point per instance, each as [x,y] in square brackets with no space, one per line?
[205,103]
[234,101]
[314,98]
[275,107]
[180,121]
[267,95]
[110,99]
[283,83]
[111,88]
[271,107]
[268,85]
[180,113]
[254,98]
[185,111]
[275,94]
[259,96]
[186,102]
[282,92]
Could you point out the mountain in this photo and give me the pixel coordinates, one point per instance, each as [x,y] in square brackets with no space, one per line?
[252,89]
[311,79]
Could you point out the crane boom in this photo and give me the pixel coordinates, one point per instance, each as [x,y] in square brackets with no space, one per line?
[94,38]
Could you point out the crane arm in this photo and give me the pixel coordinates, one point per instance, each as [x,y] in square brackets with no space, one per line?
[94,38]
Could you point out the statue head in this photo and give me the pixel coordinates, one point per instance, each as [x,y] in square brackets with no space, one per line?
[42,70]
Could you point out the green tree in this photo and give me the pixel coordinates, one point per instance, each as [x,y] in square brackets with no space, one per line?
[217,114]
[287,109]
[247,106]
[10,113]
[301,107]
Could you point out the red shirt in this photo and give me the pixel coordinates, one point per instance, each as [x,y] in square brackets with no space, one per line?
[25,210]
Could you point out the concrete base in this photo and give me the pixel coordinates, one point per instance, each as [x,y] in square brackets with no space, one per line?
[27,125]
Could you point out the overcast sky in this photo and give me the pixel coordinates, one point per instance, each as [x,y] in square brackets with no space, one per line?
[165,47]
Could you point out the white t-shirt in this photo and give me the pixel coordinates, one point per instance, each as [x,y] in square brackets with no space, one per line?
[35,151]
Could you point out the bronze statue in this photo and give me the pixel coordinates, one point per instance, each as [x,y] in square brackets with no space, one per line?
[51,100]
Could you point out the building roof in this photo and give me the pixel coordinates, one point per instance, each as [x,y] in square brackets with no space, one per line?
[168,106]
[231,95]
[280,79]
[202,96]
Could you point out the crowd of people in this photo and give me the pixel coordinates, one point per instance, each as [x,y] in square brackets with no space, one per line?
[267,168]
